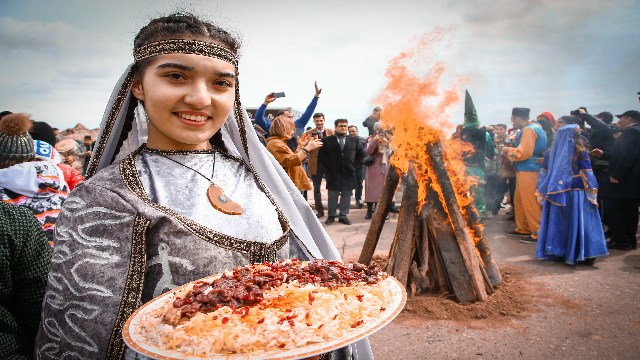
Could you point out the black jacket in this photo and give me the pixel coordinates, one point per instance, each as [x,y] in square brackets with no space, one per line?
[340,166]
[624,165]
[368,123]
[601,136]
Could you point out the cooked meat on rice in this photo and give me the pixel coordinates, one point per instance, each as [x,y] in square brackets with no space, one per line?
[265,307]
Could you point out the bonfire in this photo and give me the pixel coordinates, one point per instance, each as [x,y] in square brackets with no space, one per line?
[439,242]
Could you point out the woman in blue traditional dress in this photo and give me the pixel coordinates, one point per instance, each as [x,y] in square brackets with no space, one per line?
[570,227]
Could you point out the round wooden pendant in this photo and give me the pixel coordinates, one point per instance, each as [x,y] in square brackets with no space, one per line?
[221,202]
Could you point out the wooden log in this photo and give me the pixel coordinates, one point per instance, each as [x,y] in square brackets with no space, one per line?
[421,281]
[489,264]
[388,268]
[487,281]
[405,229]
[467,247]
[377,221]
[422,246]
[445,244]
[443,277]
[435,260]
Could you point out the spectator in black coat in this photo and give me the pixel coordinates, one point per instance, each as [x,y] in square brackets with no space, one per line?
[372,120]
[601,137]
[340,155]
[622,193]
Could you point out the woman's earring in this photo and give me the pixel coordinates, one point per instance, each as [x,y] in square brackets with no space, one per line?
[141,121]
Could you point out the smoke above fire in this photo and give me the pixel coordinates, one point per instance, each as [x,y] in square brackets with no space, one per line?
[417,108]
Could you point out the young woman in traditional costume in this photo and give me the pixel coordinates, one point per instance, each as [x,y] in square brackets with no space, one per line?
[570,226]
[179,188]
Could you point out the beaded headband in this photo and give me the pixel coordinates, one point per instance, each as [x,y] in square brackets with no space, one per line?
[185,47]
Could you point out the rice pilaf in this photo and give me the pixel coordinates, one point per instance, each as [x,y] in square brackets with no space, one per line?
[289,316]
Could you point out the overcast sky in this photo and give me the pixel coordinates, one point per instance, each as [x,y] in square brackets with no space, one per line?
[61,59]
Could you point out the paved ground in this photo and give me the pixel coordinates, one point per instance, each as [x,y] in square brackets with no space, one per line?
[603,321]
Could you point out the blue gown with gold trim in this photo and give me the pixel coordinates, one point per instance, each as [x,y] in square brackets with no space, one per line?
[570,226]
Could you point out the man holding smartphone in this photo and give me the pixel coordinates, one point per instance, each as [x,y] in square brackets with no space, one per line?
[300,123]
[314,167]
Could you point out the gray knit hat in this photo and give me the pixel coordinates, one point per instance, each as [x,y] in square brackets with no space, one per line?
[16,145]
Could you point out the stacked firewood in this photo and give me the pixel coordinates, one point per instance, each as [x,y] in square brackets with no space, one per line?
[433,248]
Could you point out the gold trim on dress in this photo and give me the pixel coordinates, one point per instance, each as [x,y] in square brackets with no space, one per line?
[133,287]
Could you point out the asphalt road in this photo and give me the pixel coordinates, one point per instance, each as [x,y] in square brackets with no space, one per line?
[603,322]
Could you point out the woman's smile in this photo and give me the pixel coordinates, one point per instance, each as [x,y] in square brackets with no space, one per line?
[191,118]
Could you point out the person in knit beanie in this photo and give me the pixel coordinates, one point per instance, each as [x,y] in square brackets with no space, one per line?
[16,145]
[25,180]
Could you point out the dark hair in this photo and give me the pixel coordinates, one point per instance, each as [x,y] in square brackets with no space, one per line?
[502,126]
[579,146]
[338,121]
[545,124]
[181,25]
[54,129]
[42,131]
[350,126]
[317,115]
[87,137]
[376,109]
[281,112]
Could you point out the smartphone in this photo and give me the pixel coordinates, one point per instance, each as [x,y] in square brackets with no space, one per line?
[278,95]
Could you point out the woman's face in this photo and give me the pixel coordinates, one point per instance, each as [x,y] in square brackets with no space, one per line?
[187,98]
[560,123]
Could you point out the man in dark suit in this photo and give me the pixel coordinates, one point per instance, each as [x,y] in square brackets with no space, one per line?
[314,168]
[340,155]
[622,195]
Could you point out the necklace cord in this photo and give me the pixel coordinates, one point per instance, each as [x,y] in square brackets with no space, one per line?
[213,167]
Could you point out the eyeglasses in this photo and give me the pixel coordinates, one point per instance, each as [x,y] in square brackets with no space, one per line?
[342,125]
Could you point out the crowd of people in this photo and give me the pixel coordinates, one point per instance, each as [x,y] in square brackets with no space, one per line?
[180,185]
[339,156]
[567,179]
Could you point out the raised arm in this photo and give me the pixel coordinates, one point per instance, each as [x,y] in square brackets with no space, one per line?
[596,124]
[372,145]
[260,120]
[304,119]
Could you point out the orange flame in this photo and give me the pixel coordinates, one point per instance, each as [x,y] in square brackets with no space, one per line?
[417,109]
